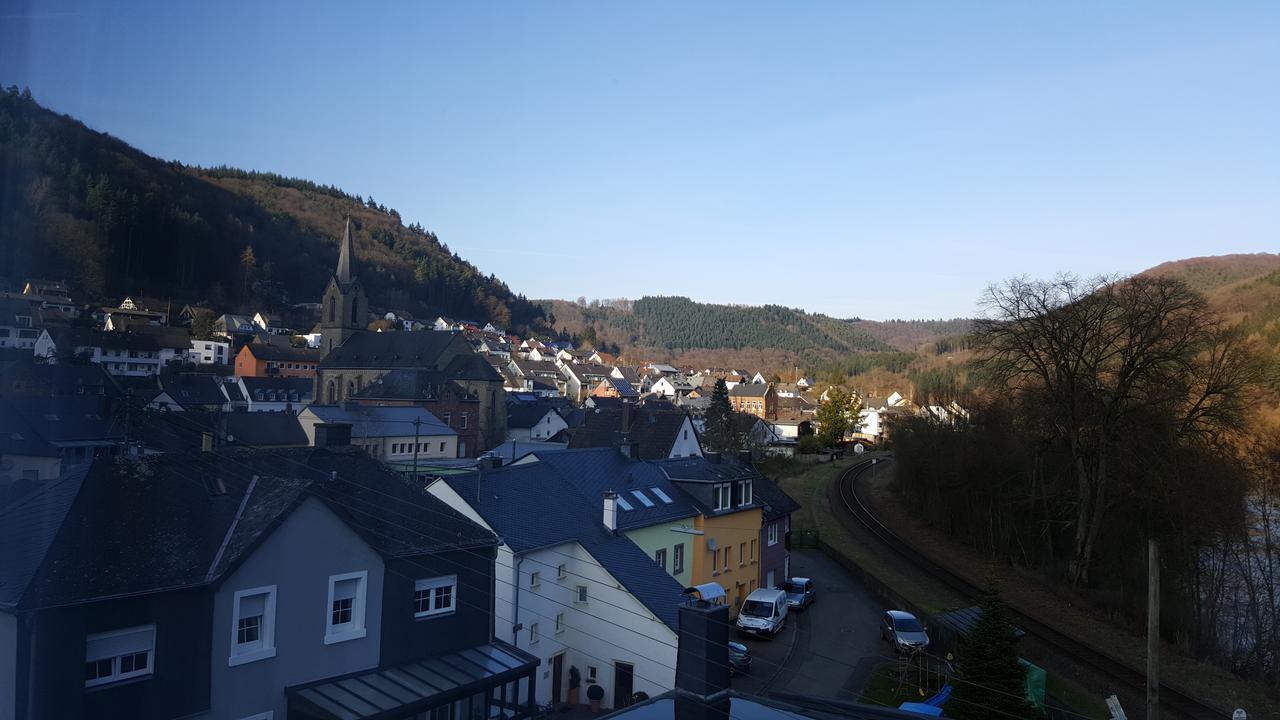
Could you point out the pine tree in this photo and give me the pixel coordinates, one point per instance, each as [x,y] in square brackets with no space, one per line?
[990,682]
[720,433]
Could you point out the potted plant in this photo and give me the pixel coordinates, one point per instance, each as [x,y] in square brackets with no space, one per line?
[575,681]
[595,694]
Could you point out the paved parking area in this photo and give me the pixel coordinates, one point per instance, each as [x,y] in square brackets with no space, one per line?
[828,650]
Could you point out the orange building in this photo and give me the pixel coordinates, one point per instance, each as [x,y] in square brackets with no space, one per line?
[258,359]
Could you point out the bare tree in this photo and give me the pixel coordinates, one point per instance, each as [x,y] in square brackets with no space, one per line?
[1089,361]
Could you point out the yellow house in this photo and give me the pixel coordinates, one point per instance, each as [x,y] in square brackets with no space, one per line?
[727,533]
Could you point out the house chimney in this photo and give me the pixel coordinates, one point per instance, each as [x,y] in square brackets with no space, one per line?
[490,462]
[712,456]
[626,418]
[333,435]
[744,457]
[629,448]
[610,510]
[702,662]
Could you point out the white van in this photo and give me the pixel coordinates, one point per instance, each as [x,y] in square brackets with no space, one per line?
[764,612]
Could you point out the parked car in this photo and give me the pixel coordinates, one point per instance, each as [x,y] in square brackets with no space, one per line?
[739,658]
[903,631]
[764,612]
[801,592]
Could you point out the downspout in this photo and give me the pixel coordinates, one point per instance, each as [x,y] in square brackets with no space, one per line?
[515,603]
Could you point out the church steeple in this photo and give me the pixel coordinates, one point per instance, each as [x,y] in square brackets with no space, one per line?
[344,256]
[344,310]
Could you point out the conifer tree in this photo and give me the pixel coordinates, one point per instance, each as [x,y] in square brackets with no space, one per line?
[990,682]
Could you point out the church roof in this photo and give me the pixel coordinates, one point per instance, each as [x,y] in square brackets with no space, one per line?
[391,350]
[344,256]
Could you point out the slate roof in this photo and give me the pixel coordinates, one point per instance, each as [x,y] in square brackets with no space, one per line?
[175,338]
[507,498]
[369,421]
[133,528]
[392,350]
[775,501]
[654,431]
[529,368]
[748,389]
[194,389]
[595,470]
[583,370]
[281,352]
[407,384]
[265,429]
[69,338]
[67,418]
[27,529]
[29,377]
[11,308]
[291,387]
[629,374]
[526,415]
[470,366]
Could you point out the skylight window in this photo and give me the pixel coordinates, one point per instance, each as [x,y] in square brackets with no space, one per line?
[644,499]
[660,495]
[624,504]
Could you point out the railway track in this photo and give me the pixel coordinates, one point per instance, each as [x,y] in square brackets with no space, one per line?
[1173,701]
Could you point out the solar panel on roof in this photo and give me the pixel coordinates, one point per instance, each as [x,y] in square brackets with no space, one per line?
[661,495]
[623,503]
[644,499]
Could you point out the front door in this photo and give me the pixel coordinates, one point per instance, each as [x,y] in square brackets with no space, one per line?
[768,580]
[623,683]
[557,671]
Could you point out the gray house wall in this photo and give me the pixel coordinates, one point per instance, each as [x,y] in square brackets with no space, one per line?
[8,665]
[298,558]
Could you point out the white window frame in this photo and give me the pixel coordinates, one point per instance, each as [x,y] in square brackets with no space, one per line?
[534,635]
[722,496]
[266,634]
[432,584]
[559,623]
[745,492]
[580,594]
[677,558]
[334,633]
[116,675]
[535,579]
[773,534]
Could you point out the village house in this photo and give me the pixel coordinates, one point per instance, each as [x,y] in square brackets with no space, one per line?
[19,324]
[580,379]
[755,399]
[121,353]
[452,404]
[276,393]
[615,388]
[533,422]
[394,435]
[276,358]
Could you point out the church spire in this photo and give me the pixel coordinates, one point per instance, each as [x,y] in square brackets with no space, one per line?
[344,256]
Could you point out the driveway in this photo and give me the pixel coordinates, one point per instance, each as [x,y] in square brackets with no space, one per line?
[836,643]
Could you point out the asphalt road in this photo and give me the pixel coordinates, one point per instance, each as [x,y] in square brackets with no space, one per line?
[833,646]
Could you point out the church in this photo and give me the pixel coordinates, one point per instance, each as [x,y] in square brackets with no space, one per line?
[354,360]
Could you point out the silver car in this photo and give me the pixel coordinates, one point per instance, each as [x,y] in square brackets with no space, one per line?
[903,631]
[801,592]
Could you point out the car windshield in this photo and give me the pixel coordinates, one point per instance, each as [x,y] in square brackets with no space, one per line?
[796,588]
[908,624]
[755,608]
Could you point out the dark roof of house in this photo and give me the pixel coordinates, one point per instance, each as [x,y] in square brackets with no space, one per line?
[624,388]
[526,415]
[629,374]
[67,418]
[529,367]
[749,390]
[582,370]
[654,431]
[176,338]
[368,421]
[194,389]
[593,471]
[28,377]
[278,383]
[471,367]
[282,352]
[28,526]
[508,497]
[392,350]
[775,501]
[265,429]
[67,338]
[173,521]
[17,438]
[10,308]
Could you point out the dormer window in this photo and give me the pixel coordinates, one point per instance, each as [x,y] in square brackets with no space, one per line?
[744,492]
[119,655]
[722,496]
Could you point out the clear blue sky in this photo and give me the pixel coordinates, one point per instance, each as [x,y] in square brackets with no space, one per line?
[875,159]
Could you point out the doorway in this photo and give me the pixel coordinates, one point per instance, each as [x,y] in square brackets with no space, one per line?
[557,672]
[623,684]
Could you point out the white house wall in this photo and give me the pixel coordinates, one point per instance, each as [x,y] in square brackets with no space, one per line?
[686,444]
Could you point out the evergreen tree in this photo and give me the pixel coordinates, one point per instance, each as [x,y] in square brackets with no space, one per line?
[990,682]
[720,435]
[202,325]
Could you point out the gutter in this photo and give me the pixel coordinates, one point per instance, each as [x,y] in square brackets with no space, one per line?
[515,602]
[235,522]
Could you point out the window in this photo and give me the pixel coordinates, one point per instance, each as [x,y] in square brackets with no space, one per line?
[441,447]
[658,493]
[726,559]
[434,596]
[253,628]
[462,421]
[744,492]
[722,496]
[591,673]
[644,499]
[582,593]
[622,503]
[559,623]
[753,550]
[773,534]
[562,571]
[742,554]
[447,418]
[660,557]
[677,559]
[119,655]
[345,617]
[535,579]
[533,633]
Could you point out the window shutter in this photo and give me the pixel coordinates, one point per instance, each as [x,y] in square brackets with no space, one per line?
[345,589]
[99,647]
[251,605]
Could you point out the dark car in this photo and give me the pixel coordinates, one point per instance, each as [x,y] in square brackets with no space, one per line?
[801,592]
[739,658]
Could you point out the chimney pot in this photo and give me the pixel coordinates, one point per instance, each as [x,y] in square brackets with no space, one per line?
[611,510]
[332,434]
[702,658]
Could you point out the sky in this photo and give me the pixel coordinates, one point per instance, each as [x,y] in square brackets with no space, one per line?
[871,159]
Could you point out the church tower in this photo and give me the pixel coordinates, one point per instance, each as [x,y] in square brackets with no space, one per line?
[345,309]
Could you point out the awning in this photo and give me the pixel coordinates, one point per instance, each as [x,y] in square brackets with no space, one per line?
[408,689]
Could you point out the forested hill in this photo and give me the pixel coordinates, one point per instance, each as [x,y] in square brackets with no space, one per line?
[80,205]
[678,323]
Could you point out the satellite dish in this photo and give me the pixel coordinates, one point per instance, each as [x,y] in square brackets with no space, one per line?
[711,544]
[858,449]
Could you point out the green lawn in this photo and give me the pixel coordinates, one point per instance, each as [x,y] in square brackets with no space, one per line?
[893,684]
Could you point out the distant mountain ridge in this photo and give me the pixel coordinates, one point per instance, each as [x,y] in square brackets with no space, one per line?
[80,205]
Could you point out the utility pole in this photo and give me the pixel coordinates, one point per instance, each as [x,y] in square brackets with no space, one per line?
[1153,630]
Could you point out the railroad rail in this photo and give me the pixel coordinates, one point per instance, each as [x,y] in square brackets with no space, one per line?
[1173,701]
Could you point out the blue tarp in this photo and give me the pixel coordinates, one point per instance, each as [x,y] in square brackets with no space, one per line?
[921,709]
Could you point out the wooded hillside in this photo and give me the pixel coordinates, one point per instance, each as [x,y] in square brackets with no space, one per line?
[80,205]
